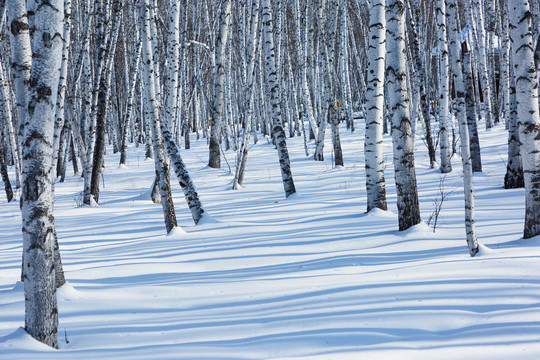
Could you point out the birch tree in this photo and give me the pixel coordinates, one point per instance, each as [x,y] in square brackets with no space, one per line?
[457,75]
[520,23]
[442,48]
[373,153]
[218,102]
[152,114]
[398,102]
[271,74]
[41,312]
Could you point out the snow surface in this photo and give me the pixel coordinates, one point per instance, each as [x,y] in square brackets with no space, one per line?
[264,277]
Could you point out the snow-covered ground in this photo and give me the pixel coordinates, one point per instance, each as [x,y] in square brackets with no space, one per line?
[264,277]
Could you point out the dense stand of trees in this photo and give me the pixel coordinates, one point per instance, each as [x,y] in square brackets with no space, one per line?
[78,75]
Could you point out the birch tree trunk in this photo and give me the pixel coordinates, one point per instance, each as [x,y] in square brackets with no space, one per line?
[5,99]
[513,179]
[130,99]
[457,75]
[41,312]
[271,73]
[252,47]
[5,177]
[152,107]
[59,125]
[527,110]
[302,53]
[218,102]
[444,90]
[373,153]
[421,81]
[21,57]
[471,113]
[478,17]
[398,102]
[103,95]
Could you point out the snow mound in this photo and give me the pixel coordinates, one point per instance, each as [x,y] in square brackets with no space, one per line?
[177,231]
[483,250]
[20,339]
[380,213]
[67,292]
[207,219]
[295,196]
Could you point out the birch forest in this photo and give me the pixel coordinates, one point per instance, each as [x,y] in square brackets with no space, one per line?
[83,79]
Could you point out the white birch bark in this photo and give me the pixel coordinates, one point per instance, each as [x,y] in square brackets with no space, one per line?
[398,102]
[471,113]
[505,66]
[21,57]
[513,178]
[344,66]
[128,113]
[172,65]
[5,99]
[444,89]
[527,109]
[218,102]
[5,177]
[270,67]
[152,115]
[302,53]
[478,18]
[373,153]
[152,108]
[457,75]
[59,123]
[251,48]
[41,312]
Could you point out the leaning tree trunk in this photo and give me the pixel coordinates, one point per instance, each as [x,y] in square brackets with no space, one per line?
[152,109]
[527,110]
[41,315]
[457,75]
[373,153]
[271,74]
[398,101]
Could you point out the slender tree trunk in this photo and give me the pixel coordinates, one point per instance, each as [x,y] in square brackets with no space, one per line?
[218,102]
[129,106]
[278,132]
[457,75]
[478,17]
[513,178]
[444,89]
[373,153]
[421,82]
[527,110]
[152,108]
[398,101]
[471,114]
[5,177]
[5,99]
[21,57]
[103,101]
